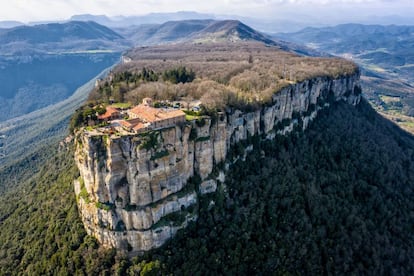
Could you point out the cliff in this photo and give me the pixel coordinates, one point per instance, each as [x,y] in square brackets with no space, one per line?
[136,191]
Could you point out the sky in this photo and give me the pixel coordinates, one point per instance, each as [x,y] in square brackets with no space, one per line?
[346,10]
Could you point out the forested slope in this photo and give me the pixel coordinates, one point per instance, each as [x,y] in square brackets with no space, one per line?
[335,199]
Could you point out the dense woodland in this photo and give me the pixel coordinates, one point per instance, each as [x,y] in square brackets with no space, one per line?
[335,199]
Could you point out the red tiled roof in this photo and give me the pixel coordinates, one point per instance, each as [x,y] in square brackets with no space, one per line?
[151,114]
[130,123]
[138,126]
[110,111]
[134,124]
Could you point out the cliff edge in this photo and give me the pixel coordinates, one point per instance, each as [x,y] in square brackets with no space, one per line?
[135,191]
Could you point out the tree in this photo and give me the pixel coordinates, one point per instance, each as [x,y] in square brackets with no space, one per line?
[177,75]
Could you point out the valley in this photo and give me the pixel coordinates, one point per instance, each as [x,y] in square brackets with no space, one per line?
[26,134]
[32,82]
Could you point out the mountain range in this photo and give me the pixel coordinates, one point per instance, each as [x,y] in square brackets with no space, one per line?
[265,25]
[282,22]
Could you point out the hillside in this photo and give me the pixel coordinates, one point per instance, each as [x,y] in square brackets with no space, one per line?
[39,65]
[25,134]
[149,34]
[314,204]
[385,55]
[206,30]
[231,30]
[43,80]
[318,204]
[55,32]
[58,37]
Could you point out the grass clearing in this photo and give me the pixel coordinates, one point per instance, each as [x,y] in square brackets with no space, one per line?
[191,117]
[122,105]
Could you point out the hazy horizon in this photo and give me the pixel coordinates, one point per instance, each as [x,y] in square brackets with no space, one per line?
[318,12]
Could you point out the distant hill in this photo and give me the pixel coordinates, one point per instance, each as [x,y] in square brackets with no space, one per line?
[390,47]
[208,30]
[55,37]
[384,52]
[172,31]
[44,64]
[10,24]
[151,18]
[56,32]
[356,38]
[231,30]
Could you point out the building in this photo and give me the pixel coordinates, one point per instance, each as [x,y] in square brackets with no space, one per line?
[156,117]
[134,125]
[147,101]
[110,114]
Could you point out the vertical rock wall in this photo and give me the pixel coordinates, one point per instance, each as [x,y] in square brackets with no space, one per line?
[134,191]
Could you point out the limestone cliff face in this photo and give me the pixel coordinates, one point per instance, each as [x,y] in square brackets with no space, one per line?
[134,191]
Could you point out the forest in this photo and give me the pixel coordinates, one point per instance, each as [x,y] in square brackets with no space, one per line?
[242,75]
[334,199]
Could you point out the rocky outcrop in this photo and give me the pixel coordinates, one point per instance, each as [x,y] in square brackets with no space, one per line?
[135,191]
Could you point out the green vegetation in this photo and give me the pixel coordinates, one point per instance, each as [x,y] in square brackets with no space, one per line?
[191,117]
[149,140]
[313,204]
[201,139]
[105,206]
[82,116]
[41,232]
[178,75]
[119,83]
[122,105]
[174,219]
[193,134]
[160,154]
[83,192]
[113,88]
[310,203]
